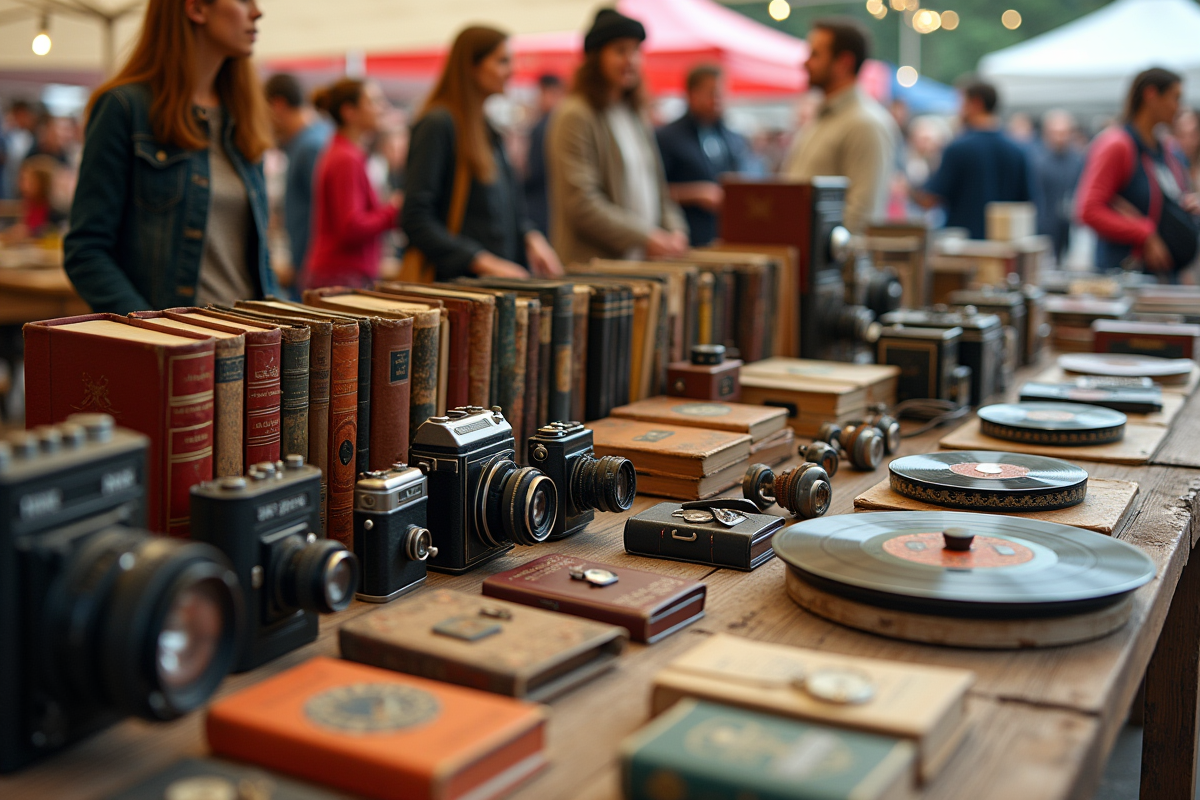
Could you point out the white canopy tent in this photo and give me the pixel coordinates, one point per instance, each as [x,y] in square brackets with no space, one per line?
[93,35]
[1086,65]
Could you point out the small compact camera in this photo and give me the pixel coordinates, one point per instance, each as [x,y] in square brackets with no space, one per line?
[390,537]
[268,524]
[98,620]
[563,450]
[708,375]
[484,501]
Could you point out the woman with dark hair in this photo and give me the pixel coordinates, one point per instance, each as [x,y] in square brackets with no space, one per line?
[464,210]
[607,185]
[348,217]
[170,207]
[1135,191]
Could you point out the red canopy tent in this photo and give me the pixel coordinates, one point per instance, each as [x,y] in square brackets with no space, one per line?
[756,59]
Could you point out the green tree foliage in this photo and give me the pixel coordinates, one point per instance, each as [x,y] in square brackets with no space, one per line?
[945,55]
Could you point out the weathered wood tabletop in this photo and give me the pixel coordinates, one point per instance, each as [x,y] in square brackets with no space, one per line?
[1044,720]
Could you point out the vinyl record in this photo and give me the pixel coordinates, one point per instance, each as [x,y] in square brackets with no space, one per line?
[989,481]
[1118,365]
[1014,568]
[1070,424]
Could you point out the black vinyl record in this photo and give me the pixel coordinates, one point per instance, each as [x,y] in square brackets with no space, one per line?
[1014,568]
[989,481]
[1069,424]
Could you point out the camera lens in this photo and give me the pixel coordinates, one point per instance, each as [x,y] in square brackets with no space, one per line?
[606,484]
[515,503]
[321,576]
[758,486]
[143,625]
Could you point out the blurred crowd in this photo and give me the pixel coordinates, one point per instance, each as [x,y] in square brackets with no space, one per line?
[481,179]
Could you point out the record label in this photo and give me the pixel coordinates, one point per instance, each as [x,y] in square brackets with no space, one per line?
[989,471]
[987,552]
[973,480]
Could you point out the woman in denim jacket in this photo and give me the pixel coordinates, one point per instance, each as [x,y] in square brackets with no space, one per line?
[171,206]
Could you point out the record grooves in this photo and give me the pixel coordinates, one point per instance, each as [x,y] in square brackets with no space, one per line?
[1009,568]
[1062,424]
[987,481]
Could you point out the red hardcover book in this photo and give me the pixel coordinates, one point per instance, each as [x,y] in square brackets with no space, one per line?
[263,394]
[381,734]
[159,384]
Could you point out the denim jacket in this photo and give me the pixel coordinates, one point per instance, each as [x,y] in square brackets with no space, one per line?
[141,209]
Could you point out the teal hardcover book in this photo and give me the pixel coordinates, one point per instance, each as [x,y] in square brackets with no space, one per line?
[707,751]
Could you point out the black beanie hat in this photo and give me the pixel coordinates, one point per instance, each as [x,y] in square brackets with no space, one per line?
[612,24]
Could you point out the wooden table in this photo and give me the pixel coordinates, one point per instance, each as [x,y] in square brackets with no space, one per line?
[28,295]
[1045,720]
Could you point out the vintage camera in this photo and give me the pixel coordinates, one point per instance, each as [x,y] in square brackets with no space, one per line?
[98,620]
[981,346]
[390,537]
[485,502]
[563,450]
[803,489]
[268,524]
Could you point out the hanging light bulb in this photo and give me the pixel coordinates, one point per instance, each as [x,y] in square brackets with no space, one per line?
[779,10]
[949,20]
[1011,19]
[41,42]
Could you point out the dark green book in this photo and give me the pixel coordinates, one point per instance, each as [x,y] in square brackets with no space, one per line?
[699,749]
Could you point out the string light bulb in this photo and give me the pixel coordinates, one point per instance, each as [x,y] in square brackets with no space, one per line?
[41,42]
[926,21]
[949,20]
[779,10]
[1011,19]
[906,77]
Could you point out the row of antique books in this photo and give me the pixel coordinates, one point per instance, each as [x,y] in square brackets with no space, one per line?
[345,378]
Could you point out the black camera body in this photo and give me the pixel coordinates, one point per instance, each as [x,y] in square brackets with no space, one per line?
[391,539]
[98,620]
[563,450]
[268,525]
[485,502]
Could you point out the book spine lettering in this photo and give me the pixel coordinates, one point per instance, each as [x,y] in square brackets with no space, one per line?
[262,402]
[343,432]
[189,439]
[390,392]
[293,439]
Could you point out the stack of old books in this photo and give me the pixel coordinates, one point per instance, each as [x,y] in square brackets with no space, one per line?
[815,392]
[1071,318]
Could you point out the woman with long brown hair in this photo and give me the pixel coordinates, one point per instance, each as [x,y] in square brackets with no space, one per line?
[607,185]
[347,216]
[464,210]
[171,207]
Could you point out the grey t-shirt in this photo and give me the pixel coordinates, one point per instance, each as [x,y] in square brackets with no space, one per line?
[224,267]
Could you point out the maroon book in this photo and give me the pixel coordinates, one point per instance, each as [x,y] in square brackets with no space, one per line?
[648,605]
[159,384]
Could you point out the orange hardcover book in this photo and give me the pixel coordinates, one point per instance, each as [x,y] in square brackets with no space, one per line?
[672,449]
[381,734]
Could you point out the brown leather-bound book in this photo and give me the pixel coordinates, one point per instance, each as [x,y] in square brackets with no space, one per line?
[483,643]
[777,447]
[320,360]
[276,398]
[156,383]
[758,422]
[515,414]
[229,387]
[647,604]
[479,337]
[381,734]
[419,372]
[533,362]
[455,341]
[684,487]
[670,449]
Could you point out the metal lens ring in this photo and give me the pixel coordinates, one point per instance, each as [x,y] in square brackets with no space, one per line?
[166,630]
[606,484]
[489,496]
[805,490]
[758,486]
[418,544]
[530,506]
[823,454]
[830,433]
[325,576]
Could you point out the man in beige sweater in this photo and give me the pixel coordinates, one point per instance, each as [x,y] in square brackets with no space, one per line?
[852,135]
[607,188]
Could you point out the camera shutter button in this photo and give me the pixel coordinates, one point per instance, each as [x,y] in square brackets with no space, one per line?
[294,461]
[232,483]
[540,453]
